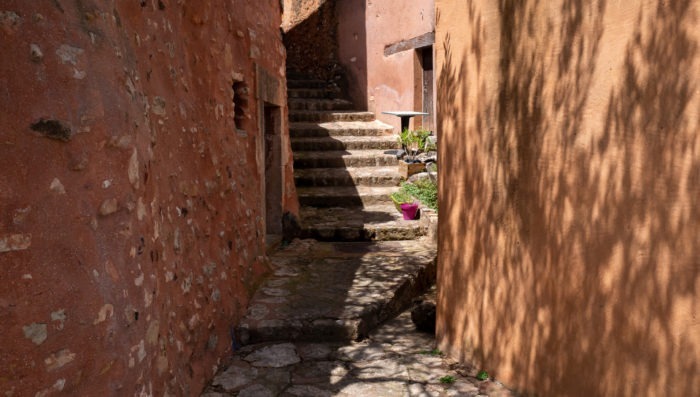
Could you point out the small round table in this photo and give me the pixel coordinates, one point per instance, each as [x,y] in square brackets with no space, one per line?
[405,116]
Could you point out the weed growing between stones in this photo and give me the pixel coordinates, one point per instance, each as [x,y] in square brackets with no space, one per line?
[447,379]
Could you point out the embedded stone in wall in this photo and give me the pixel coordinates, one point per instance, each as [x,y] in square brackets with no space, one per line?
[15,242]
[134,169]
[109,206]
[158,106]
[58,360]
[35,53]
[9,21]
[69,54]
[57,187]
[35,332]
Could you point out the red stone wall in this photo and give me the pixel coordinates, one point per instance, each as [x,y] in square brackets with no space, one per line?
[569,184]
[131,218]
[311,38]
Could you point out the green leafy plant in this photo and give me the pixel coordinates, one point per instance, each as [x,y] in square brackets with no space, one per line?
[413,141]
[434,352]
[406,138]
[447,379]
[482,375]
[401,196]
[421,137]
[424,190]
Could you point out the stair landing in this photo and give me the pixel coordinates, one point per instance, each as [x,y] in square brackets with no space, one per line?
[336,291]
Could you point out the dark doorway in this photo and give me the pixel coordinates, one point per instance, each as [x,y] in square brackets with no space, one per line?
[425,56]
[273,169]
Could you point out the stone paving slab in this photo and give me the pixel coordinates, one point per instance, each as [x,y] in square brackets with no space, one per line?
[322,291]
[395,361]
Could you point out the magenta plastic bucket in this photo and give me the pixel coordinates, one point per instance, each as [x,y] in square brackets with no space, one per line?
[409,210]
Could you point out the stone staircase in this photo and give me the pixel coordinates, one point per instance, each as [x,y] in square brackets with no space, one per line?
[359,263]
[344,168]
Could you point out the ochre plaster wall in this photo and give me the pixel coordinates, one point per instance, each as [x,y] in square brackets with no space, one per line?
[131,217]
[570,173]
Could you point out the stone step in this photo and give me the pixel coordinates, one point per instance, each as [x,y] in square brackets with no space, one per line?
[321,291]
[306,83]
[380,142]
[352,176]
[326,116]
[318,93]
[318,104]
[345,196]
[339,128]
[380,222]
[343,158]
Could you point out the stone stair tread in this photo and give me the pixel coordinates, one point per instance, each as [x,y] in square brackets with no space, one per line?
[348,138]
[318,104]
[334,154]
[351,171]
[345,142]
[323,291]
[377,215]
[306,83]
[339,128]
[322,116]
[350,176]
[344,158]
[312,92]
[321,100]
[339,125]
[345,191]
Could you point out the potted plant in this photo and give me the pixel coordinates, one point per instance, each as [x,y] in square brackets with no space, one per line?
[405,203]
[411,142]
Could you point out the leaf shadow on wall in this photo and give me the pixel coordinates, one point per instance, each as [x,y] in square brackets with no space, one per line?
[579,247]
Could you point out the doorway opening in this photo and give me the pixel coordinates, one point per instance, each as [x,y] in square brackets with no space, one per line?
[425,59]
[272,126]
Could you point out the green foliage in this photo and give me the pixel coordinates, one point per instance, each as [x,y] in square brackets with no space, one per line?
[401,196]
[406,138]
[413,140]
[434,352]
[482,375]
[447,379]
[424,190]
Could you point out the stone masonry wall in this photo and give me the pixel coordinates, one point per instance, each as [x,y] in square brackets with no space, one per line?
[311,31]
[131,218]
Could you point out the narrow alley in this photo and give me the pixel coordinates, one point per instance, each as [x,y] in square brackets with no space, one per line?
[238,198]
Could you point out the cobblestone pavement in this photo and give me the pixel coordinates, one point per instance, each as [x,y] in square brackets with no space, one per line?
[396,360]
